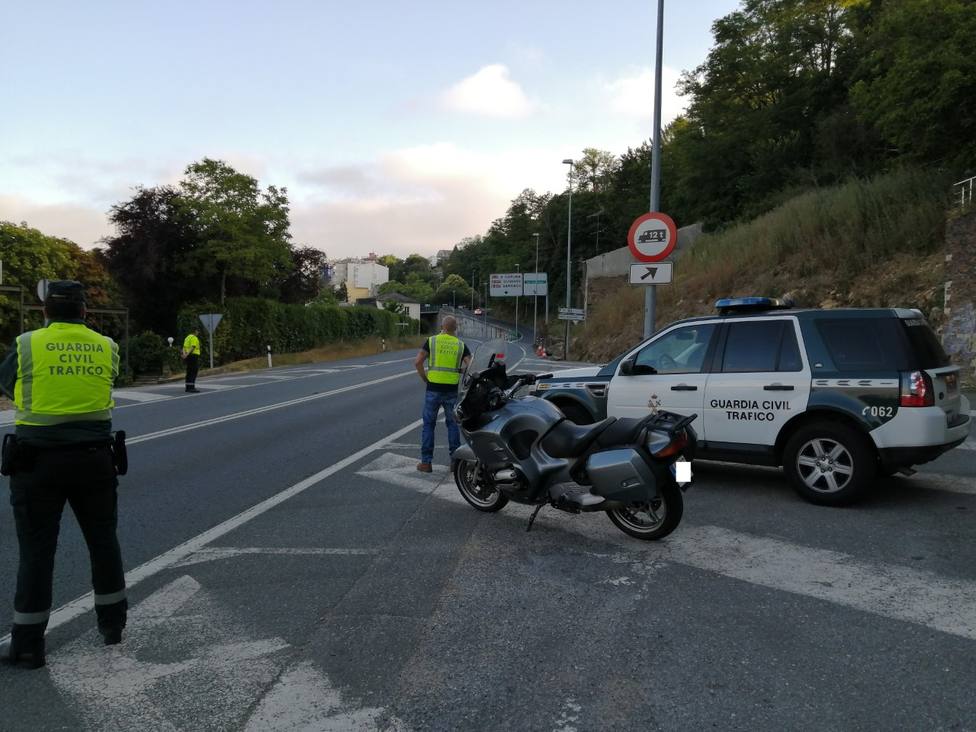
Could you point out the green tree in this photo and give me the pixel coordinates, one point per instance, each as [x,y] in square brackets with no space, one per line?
[453,289]
[244,229]
[917,80]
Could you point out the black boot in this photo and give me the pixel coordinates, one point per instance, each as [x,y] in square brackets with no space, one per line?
[112,635]
[27,654]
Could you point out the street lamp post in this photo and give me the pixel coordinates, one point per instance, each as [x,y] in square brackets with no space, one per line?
[454,299]
[472,291]
[650,295]
[569,254]
[535,300]
[516,306]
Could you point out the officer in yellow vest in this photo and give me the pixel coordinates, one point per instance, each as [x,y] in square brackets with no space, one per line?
[191,354]
[445,356]
[60,378]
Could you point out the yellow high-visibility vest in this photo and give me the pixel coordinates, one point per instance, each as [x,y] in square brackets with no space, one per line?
[444,361]
[65,373]
[191,344]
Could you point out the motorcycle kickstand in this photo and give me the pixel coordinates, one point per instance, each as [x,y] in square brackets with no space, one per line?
[534,514]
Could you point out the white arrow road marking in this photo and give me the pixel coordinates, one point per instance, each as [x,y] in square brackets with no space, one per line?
[83,604]
[303,699]
[888,590]
[211,554]
[402,471]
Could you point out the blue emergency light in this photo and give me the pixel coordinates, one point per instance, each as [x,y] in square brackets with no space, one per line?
[749,304]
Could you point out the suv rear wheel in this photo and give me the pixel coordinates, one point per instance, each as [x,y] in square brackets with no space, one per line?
[829,463]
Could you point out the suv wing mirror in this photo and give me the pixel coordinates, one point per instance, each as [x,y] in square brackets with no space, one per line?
[627,367]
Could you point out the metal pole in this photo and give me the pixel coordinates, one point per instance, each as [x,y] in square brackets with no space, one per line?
[517,269]
[535,300]
[569,257]
[211,329]
[650,294]
[472,291]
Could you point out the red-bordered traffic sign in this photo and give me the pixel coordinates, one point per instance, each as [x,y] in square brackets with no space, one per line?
[652,237]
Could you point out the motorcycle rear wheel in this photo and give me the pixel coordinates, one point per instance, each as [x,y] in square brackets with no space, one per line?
[651,521]
[480,497]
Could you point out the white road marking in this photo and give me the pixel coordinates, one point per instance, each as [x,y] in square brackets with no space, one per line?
[260,410]
[888,590]
[211,554]
[216,682]
[402,471]
[83,604]
[138,396]
[969,444]
[304,699]
[7,416]
[568,717]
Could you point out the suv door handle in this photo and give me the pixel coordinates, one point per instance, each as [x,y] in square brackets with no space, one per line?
[778,387]
[684,387]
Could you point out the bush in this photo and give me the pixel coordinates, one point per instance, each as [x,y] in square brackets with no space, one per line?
[251,324]
[147,353]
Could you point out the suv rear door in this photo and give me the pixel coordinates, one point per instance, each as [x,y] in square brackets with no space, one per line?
[927,354]
[760,380]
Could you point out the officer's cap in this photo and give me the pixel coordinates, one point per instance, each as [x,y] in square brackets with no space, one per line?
[65,291]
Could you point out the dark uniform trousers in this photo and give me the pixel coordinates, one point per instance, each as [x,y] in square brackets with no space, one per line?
[85,479]
[192,368]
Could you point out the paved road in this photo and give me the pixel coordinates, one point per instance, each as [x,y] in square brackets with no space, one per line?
[290,569]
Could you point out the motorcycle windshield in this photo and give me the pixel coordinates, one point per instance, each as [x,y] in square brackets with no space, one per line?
[486,355]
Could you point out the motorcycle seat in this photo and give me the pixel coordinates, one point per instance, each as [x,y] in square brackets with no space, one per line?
[624,431]
[568,439]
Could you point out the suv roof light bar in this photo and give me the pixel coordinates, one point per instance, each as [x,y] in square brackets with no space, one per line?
[729,305]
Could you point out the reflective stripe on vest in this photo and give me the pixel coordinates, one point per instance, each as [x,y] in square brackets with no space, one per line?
[64,374]
[444,361]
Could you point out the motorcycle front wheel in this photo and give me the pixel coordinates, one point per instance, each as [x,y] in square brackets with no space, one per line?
[481,497]
[653,520]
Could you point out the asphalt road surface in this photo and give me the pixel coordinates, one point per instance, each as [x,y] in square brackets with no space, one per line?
[290,569]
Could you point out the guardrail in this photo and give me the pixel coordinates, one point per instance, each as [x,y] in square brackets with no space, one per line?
[965,188]
[476,326]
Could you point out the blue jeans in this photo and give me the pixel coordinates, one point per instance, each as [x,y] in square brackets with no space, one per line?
[432,405]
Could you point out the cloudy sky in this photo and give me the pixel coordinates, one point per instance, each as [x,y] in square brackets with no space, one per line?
[396,127]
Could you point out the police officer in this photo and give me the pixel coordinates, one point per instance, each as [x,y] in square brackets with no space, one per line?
[191,354]
[445,355]
[60,378]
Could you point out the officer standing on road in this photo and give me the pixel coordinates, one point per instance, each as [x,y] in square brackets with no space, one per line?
[60,378]
[445,355]
[191,354]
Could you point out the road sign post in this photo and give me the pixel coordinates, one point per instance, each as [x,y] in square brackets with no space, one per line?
[210,322]
[651,239]
[658,273]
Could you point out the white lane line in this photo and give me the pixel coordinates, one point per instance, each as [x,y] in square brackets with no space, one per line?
[969,444]
[888,590]
[137,396]
[260,410]
[83,604]
[211,554]
[7,416]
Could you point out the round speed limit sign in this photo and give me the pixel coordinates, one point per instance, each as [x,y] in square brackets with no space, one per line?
[652,237]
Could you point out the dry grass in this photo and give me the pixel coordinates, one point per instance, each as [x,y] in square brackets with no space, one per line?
[873,243]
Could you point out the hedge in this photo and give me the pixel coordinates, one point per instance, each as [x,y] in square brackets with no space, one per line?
[250,324]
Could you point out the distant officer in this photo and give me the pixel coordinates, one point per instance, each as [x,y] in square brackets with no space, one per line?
[60,378]
[191,354]
[445,355]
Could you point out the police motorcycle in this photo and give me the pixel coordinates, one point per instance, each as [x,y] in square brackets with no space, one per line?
[521,448]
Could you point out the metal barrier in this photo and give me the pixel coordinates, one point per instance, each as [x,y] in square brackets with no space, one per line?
[479,327]
[965,192]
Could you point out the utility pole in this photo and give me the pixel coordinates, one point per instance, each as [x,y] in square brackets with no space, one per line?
[569,255]
[535,300]
[650,292]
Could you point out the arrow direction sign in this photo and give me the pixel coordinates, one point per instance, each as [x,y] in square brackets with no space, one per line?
[659,273]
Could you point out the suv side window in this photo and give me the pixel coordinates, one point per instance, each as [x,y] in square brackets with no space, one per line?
[863,344]
[760,346]
[682,351]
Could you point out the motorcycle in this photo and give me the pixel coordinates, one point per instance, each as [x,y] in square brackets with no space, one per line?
[521,448]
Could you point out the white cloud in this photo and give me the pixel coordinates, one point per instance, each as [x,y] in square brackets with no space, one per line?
[633,95]
[489,92]
[84,225]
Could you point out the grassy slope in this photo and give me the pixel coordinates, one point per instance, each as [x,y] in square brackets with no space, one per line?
[865,243]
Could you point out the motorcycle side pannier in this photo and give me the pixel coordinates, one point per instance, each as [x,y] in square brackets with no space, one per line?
[621,475]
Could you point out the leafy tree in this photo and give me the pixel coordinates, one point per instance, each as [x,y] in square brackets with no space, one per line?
[244,229]
[917,80]
[453,289]
[304,281]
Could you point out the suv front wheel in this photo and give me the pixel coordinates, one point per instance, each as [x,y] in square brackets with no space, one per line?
[829,463]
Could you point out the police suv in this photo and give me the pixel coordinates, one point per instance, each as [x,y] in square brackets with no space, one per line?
[834,396]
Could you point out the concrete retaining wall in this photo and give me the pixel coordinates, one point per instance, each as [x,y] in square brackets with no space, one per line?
[617,263]
[959,333]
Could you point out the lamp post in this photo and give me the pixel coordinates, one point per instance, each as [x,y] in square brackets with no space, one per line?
[535,300]
[454,299]
[650,295]
[516,306]
[472,291]
[569,254]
